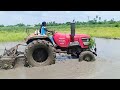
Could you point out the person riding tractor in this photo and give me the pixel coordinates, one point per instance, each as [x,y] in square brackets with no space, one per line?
[43,31]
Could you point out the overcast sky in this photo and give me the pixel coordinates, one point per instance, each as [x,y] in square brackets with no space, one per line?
[35,17]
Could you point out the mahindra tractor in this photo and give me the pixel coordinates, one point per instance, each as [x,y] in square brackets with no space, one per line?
[41,51]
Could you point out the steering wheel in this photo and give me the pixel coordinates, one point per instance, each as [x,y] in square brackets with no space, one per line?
[51,32]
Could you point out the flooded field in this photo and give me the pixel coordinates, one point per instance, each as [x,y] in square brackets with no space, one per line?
[107,64]
[108,49]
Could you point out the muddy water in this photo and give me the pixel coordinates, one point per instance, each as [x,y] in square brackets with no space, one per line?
[107,64]
[108,49]
[9,45]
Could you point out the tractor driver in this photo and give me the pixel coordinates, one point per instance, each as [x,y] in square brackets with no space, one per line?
[44,30]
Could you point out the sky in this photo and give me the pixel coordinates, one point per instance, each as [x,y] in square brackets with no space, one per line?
[35,17]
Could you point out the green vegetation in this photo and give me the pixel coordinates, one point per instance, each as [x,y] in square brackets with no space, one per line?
[92,43]
[11,36]
[94,28]
[20,33]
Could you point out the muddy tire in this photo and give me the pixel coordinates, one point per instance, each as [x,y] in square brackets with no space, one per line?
[86,56]
[40,53]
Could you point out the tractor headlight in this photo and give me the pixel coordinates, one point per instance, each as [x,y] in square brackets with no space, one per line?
[85,41]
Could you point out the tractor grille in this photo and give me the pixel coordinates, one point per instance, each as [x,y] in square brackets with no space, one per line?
[85,41]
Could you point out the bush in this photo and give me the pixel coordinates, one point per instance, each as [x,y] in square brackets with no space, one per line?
[116,25]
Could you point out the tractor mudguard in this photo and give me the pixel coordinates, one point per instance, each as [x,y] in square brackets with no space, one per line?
[37,37]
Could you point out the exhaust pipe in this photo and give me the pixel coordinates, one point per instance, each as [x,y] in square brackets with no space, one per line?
[72,31]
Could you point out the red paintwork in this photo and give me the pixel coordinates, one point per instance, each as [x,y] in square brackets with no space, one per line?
[63,40]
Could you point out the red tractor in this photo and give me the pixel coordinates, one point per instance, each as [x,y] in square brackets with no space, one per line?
[41,51]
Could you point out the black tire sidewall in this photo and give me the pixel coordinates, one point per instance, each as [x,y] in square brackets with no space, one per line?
[86,53]
[48,49]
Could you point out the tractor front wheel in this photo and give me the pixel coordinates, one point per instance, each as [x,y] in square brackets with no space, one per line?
[86,56]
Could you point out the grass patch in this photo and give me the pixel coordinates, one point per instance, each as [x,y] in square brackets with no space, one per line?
[18,34]
[12,36]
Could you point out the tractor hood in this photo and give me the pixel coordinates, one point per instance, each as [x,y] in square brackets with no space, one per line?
[63,40]
[68,35]
[83,35]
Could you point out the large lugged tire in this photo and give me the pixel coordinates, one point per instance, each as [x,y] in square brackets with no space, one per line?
[40,53]
[86,56]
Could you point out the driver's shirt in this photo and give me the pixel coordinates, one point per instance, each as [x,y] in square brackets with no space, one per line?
[43,30]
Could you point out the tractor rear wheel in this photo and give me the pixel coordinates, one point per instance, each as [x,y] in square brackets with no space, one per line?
[86,56]
[40,53]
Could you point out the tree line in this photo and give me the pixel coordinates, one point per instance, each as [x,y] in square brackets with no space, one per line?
[95,21]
